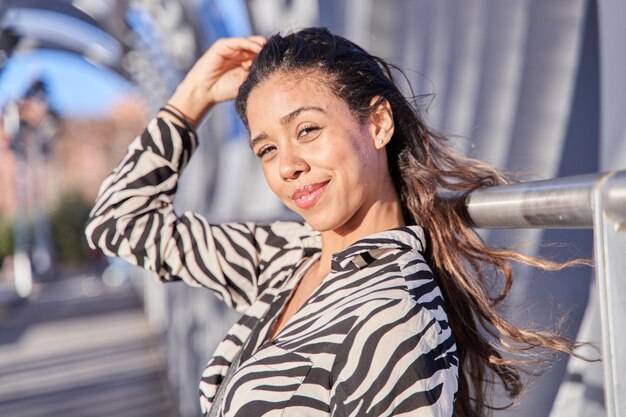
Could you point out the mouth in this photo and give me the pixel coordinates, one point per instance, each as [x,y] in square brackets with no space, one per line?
[305,197]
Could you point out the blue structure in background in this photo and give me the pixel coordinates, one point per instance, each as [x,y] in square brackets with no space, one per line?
[220,19]
[78,88]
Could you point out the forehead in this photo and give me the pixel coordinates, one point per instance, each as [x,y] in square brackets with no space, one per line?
[290,79]
[282,93]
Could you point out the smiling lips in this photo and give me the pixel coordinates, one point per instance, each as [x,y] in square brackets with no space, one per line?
[306,197]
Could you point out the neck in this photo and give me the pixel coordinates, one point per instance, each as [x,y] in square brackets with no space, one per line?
[383,214]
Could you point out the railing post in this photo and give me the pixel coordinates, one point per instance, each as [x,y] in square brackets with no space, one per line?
[609,201]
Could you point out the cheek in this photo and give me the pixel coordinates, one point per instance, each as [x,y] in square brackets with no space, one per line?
[359,154]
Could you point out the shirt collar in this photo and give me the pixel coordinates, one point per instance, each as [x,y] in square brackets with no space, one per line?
[363,251]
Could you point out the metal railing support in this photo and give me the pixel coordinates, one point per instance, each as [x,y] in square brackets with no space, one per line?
[597,201]
[609,228]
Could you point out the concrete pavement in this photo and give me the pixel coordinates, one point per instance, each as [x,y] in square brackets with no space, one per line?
[80,349]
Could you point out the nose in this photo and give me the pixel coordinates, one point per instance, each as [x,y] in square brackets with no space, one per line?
[292,164]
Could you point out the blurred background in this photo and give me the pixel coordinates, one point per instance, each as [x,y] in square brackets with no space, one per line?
[532,86]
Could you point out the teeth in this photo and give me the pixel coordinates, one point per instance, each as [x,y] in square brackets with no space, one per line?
[305,191]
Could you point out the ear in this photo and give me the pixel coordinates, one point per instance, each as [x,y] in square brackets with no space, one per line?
[381,121]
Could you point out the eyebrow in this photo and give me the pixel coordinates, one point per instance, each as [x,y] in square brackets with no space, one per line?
[286,120]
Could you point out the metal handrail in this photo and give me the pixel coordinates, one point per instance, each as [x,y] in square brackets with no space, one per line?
[556,203]
[597,201]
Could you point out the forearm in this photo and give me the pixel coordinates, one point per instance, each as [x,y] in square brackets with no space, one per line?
[143,184]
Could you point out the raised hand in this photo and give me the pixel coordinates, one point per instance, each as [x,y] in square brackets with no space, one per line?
[216,76]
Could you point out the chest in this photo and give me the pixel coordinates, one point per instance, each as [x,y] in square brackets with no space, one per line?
[302,291]
[275,381]
[279,373]
[286,375]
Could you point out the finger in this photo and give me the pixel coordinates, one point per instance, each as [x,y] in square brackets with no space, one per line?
[247,64]
[258,39]
[254,44]
[238,58]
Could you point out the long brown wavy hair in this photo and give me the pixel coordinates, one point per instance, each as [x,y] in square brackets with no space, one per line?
[424,167]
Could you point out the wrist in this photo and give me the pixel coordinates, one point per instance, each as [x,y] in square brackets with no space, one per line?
[176,116]
[191,102]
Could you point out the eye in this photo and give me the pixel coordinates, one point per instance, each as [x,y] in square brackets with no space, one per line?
[306,130]
[265,151]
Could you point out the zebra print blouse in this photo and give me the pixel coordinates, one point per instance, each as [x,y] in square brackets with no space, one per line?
[372,340]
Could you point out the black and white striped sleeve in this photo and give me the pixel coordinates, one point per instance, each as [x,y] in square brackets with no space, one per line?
[397,361]
[133,218]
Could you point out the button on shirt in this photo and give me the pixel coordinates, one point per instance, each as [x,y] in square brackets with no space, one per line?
[371,340]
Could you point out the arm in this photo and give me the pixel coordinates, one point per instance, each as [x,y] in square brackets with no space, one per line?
[399,360]
[133,216]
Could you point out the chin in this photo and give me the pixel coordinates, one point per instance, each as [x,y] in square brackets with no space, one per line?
[319,226]
[323,223]
[317,223]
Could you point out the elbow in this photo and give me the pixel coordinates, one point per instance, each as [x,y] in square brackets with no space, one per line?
[97,229]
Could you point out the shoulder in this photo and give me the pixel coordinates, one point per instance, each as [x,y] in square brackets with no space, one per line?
[400,290]
[406,313]
[395,273]
[421,284]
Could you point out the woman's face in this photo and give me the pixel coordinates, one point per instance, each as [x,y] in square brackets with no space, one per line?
[317,158]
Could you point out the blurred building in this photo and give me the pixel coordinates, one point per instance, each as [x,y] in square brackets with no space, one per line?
[77,159]
[86,149]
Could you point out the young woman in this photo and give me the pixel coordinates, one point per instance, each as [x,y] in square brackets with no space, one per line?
[376,304]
